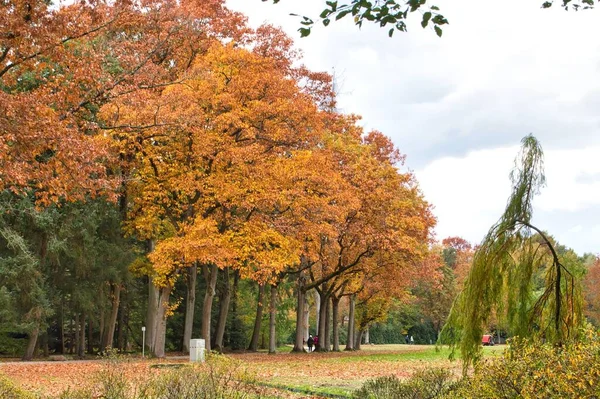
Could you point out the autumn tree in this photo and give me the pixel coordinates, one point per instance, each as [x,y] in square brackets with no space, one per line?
[591,284]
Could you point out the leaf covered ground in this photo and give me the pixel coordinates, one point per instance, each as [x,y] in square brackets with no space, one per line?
[316,373]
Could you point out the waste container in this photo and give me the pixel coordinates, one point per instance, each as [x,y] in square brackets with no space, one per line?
[197,348]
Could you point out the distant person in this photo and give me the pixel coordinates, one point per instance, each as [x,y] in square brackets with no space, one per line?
[310,342]
[406,340]
[316,341]
[412,340]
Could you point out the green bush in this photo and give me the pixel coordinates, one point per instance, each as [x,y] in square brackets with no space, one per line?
[424,384]
[9,391]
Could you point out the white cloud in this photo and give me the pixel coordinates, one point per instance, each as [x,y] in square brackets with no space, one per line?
[470,193]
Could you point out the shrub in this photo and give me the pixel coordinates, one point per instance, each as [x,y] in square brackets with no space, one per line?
[218,378]
[9,391]
[425,384]
[531,369]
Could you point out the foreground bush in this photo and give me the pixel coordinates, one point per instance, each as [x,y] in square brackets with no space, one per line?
[530,369]
[425,384]
[527,369]
[218,378]
[9,391]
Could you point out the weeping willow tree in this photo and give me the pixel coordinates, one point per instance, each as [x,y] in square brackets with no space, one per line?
[501,280]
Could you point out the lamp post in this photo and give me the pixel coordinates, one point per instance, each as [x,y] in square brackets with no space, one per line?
[143,341]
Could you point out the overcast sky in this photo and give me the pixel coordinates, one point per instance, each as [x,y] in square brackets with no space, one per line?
[458,106]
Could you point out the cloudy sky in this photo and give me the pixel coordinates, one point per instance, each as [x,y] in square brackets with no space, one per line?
[458,106]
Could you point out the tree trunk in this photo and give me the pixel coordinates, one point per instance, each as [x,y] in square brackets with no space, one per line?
[45,345]
[121,325]
[323,325]
[257,321]
[328,324]
[306,323]
[272,320]
[190,305]
[90,344]
[350,339]
[367,341]
[335,316]
[358,339]
[152,314]
[210,275]
[81,346]
[225,298]
[77,335]
[299,342]
[161,322]
[112,322]
[31,344]
[317,297]
[62,326]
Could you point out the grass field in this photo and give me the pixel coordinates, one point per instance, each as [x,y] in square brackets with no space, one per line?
[307,374]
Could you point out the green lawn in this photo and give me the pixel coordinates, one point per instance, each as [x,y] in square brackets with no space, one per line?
[339,374]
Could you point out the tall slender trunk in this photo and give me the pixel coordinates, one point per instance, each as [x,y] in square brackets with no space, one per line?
[161,322]
[257,321]
[306,321]
[121,325]
[152,313]
[328,324]
[81,346]
[317,297]
[62,324]
[350,339]
[112,322]
[234,331]
[210,275]
[335,301]
[272,320]
[300,294]
[190,305]
[225,299]
[152,310]
[367,340]
[90,343]
[72,332]
[76,332]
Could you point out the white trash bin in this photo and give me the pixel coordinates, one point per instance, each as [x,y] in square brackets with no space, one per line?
[197,348]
